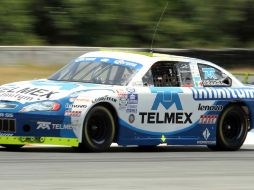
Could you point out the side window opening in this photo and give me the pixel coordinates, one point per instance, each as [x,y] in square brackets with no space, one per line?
[168,74]
[164,74]
[185,74]
[213,77]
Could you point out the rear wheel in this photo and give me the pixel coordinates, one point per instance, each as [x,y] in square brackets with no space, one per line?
[232,129]
[98,130]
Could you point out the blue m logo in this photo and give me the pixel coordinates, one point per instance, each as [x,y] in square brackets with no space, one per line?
[166,97]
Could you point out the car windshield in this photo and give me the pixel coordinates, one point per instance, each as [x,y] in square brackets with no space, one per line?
[98,70]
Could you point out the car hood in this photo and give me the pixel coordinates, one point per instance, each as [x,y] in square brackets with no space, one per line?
[40,90]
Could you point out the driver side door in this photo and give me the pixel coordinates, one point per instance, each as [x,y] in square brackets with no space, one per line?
[166,104]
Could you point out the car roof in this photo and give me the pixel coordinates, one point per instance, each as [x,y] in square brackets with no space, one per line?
[144,58]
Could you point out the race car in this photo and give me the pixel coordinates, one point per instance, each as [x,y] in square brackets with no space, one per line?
[142,99]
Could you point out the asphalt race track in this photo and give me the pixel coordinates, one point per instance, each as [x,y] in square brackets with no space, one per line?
[127,168]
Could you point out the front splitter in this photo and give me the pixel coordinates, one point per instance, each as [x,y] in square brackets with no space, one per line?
[23,140]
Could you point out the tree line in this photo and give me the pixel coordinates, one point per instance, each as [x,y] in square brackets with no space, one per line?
[128,23]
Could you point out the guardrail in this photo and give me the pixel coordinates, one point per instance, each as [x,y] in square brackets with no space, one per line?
[246,78]
[47,55]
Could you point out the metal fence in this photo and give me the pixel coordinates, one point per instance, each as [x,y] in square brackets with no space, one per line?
[246,78]
[228,58]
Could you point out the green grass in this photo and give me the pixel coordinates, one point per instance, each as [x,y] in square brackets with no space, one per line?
[25,72]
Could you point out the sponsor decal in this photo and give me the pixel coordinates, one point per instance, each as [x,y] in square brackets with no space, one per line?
[6,115]
[70,106]
[132,108]
[65,126]
[167,98]
[6,134]
[18,96]
[206,134]
[213,83]
[104,98]
[210,107]
[222,93]
[90,58]
[72,113]
[131,118]
[128,101]
[184,66]
[132,98]
[85,59]
[104,60]
[198,81]
[43,125]
[113,61]
[119,62]
[126,63]
[122,104]
[172,117]
[130,90]
[123,101]
[206,142]
[209,73]
[51,126]
[120,91]
[208,119]
[163,138]
[14,91]
[79,100]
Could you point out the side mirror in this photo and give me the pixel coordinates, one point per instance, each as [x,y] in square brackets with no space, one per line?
[227,81]
[145,84]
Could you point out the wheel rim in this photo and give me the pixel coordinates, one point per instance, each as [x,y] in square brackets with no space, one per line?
[233,126]
[97,128]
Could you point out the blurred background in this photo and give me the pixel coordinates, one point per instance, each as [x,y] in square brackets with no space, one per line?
[204,29]
[128,23]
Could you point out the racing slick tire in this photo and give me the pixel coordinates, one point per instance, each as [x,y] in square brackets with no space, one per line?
[98,130]
[11,147]
[232,129]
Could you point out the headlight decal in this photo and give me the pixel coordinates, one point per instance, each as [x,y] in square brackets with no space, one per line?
[42,106]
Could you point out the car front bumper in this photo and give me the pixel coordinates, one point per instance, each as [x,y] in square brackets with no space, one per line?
[36,128]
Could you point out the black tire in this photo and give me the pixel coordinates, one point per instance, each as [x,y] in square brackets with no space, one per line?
[232,128]
[98,130]
[12,147]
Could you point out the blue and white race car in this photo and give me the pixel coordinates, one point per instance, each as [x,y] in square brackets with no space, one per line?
[130,99]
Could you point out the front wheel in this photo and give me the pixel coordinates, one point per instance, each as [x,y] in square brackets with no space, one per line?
[232,129]
[98,130]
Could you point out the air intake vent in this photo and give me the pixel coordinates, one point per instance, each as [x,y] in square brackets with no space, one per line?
[7,125]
